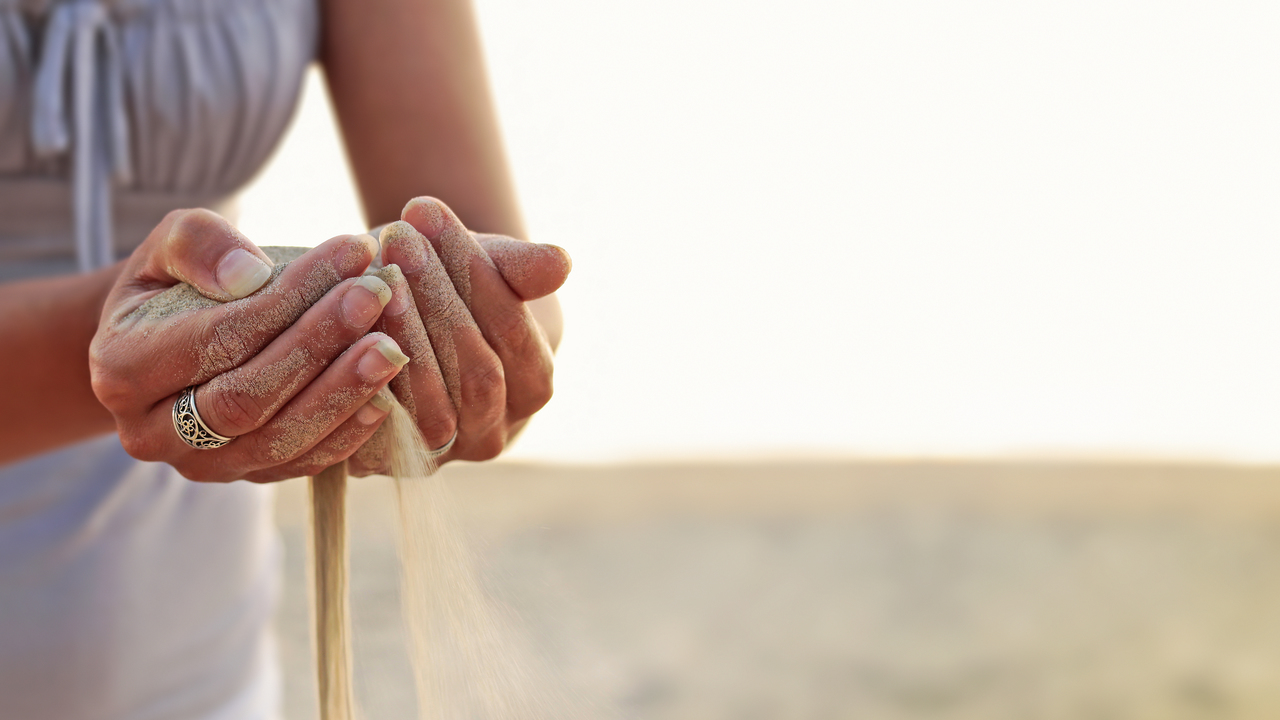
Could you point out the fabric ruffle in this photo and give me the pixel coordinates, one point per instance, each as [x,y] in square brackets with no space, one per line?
[157,96]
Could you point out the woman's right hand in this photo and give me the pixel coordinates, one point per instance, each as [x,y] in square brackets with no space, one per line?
[285,366]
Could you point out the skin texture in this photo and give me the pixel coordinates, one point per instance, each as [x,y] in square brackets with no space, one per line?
[303,319]
[403,75]
[48,400]
[493,362]
[417,118]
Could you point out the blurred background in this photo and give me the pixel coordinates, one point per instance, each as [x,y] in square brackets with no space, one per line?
[920,360]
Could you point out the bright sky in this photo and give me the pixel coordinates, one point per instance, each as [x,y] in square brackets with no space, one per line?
[884,228]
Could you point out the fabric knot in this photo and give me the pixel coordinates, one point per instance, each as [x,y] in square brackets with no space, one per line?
[81,48]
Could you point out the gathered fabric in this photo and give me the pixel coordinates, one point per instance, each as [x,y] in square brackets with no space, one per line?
[126,591]
[104,99]
[82,50]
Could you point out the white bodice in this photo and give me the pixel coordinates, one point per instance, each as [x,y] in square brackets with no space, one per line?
[114,111]
[127,592]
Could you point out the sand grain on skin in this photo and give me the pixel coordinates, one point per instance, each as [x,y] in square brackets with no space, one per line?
[519,261]
[467,662]
[413,339]
[241,333]
[438,303]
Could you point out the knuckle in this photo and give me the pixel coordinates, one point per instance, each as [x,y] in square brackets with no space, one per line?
[511,328]
[198,472]
[141,446]
[225,344]
[484,448]
[435,314]
[317,346]
[193,222]
[263,451]
[484,386]
[173,216]
[438,428]
[232,412]
[113,383]
[172,219]
[110,388]
[535,393]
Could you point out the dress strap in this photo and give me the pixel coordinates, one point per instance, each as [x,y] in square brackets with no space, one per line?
[81,47]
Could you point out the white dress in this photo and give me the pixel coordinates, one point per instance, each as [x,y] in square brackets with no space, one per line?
[125,590]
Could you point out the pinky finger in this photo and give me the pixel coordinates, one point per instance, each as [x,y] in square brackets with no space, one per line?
[339,445]
[372,457]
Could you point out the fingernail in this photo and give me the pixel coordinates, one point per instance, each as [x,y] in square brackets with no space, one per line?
[377,286]
[369,413]
[364,300]
[568,261]
[430,214]
[400,296]
[383,400]
[381,360]
[374,246]
[241,273]
[403,240]
[390,274]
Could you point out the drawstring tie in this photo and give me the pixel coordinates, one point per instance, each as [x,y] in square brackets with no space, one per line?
[81,47]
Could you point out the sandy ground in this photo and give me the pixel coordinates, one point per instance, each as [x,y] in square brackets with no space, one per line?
[850,590]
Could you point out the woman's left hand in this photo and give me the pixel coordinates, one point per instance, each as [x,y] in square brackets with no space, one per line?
[481,365]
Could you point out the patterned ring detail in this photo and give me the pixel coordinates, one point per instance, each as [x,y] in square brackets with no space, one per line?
[192,430]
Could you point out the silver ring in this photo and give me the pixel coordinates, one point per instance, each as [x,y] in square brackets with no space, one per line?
[192,430]
[443,448]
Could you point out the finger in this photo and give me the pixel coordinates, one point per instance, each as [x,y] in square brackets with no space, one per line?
[303,422]
[339,445]
[472,371]
[203,249]
[510,329]
[501,315]
[420,387]
[201,338]
[242,400]
[530,269]
[372,457]
[328,401]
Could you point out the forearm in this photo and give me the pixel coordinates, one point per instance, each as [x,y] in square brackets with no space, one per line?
[409,86]
[410,90]
[46,398]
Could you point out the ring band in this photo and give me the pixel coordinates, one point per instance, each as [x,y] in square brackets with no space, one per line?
[434,454]
[192,430]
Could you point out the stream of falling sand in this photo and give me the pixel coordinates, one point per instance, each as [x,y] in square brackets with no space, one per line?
[467,664]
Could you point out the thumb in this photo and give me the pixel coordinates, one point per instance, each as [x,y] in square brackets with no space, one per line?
[204,250]
[532,270]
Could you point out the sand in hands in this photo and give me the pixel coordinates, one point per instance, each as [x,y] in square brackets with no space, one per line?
[462,642]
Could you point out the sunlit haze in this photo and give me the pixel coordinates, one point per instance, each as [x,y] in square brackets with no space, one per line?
[883,228]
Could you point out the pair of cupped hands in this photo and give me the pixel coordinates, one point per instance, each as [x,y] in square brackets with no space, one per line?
[296,364]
